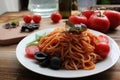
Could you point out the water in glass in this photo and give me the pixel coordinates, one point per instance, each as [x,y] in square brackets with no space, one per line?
[43,7]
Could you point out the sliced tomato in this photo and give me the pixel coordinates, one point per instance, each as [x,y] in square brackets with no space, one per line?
[103,38]
[102,49]
[31,50]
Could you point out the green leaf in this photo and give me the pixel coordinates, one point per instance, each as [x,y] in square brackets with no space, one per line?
[16,23]
[36,41]
[70,24]
[32,43]
[38,37]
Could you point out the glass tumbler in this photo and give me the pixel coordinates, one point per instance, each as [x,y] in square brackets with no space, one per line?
[43,7]
[86,4]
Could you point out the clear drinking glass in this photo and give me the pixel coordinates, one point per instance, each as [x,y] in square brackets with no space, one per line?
[43,7]
[86,4]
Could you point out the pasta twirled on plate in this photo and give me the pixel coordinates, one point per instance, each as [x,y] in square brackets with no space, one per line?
[75,49]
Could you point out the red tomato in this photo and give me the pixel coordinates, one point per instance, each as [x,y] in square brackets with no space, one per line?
[102,49]
[56,17]
[27,18]
[103,38]
[77,19]
[88,13]
[114,18]
[36,18]
[99,23]
[31,50]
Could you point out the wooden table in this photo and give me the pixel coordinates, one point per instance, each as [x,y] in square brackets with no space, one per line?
[11,69]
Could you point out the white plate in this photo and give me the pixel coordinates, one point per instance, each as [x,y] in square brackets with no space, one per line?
[31,65]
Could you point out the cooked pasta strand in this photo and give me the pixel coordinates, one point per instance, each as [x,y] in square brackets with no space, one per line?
[75,49]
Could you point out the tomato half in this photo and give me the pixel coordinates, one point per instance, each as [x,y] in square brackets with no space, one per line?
[103,38]
[31,50]
[102,49]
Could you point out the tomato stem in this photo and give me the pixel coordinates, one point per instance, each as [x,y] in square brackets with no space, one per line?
[79,14]
[100,14]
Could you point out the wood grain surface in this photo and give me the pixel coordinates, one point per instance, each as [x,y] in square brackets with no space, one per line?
[14,35]
[11,69]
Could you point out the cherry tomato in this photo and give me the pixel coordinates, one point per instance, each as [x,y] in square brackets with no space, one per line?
[56,17]
[27,18]
[77,19]
[36,18]
[88,13]
[103,38]
[31,50]
[99,23]
[114,18]
[102,49]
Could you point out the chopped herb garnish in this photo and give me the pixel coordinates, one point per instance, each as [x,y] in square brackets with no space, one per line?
[36,41]
[76,28]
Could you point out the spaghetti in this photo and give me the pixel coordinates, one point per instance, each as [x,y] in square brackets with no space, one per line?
[75,49]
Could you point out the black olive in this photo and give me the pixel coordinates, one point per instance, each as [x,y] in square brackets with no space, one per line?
[55,63]
[7,26]
[40,56]
[35,26]
[23,28]
[44,63]
[30,29]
